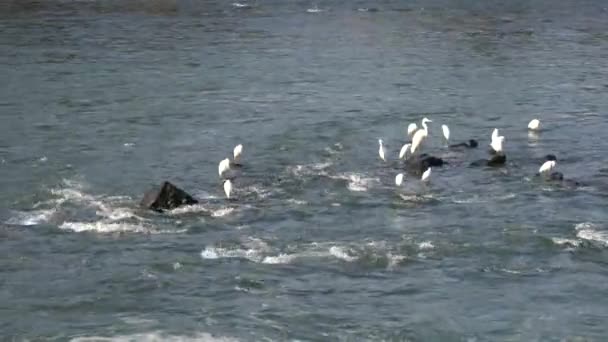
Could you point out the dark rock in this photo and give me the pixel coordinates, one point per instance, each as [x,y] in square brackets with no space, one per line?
[558,176]
[166,197]
[420,163]
[470,144]
[496,160]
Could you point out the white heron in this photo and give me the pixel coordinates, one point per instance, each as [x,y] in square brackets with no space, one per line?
[223,166]
[227,188]
[404,150]
[547,166]
[534,125]
[236,153]
[411,129]
[446,132]
[420,135]
[399,179]
[497,144]
[381,150]
[426,175]
[497,141]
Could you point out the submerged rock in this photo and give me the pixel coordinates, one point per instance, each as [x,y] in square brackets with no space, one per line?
[496,160]
[558,177]
[166,197]
[422,162]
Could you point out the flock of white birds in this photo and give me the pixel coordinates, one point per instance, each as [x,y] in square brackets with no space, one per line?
[418,136]
[224,166]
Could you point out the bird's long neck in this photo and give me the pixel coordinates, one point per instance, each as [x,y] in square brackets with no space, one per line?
[426,130]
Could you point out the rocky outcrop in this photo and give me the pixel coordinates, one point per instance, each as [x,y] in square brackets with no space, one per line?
[420,163]
[166,197]
[496,160]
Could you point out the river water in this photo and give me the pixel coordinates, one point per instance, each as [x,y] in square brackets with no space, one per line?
[103,100]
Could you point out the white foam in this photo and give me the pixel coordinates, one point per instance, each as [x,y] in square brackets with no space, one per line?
[71,194]
[357,182]
[222,212]
[566,242]
[296,201]
[279,259]
[239,5]
[195,208]
[340,253]
[259,251]
[31,218]
[394,259]
[426,245]
[591,235]
[102,227]
[507,196]
[589,231]
[117,214]
[157,336]
[584,225]
[470,200]
[317,169]
[506,270]
[417,197]
[260,192]
[218,253]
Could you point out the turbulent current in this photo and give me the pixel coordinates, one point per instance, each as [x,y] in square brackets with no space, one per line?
[102,100]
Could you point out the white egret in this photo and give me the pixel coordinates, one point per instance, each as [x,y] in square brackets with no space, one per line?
[426,175]
[381,150]
[238,150]
[223,166]
[404,150]
[534,125]
[411,129]
[497,141]
[547,166]
[227,188]
[399,179]
[420,135]
[446,132]
[497,144]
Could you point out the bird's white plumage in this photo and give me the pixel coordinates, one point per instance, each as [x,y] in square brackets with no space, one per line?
[399,179]
[496,144]
[404,150]
[411,128]
[446,132]
[547,166]
[497,141]
[420,135]
[534,125]
[426,175]
[381,150]
[236,153]
[227,188]
[223,166]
